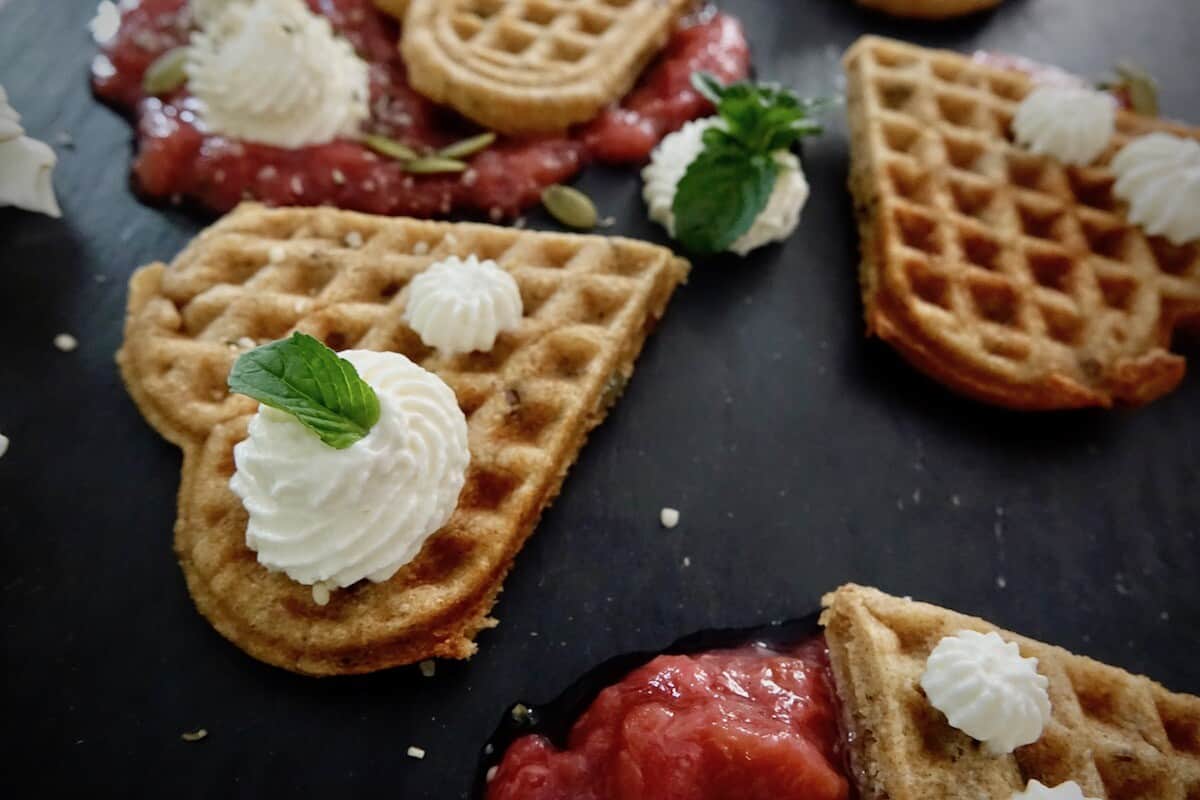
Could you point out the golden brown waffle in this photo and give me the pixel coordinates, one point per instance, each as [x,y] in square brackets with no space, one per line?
[527,66]
[1003,274]
[394,7]
[929,9]
[1119,736]
[259,274]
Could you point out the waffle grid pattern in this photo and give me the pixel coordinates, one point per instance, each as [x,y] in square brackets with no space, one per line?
[519,66]
[1019,267]
[260,274]
[1119,736]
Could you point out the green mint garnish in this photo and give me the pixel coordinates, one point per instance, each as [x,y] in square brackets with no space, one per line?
[730,182]
[306,379]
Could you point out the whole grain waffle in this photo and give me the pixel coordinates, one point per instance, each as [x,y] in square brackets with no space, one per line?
[929,9]
[1006,275]
[1119,736]
[259,274]
[528,66]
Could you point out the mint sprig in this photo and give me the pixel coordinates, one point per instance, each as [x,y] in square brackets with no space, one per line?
[306,379]
[729,184]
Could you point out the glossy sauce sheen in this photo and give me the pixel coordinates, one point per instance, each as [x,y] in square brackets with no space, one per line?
[752,723]
[177,160]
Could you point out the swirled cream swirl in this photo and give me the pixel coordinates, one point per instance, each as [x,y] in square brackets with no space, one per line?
[1158,175]
[459,306]
[1036,790]
[675,153]
[334,517]
[1070,124]
[271,71]
[26,166]
[987,690]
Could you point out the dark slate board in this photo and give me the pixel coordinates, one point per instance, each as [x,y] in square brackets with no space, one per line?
[800,454]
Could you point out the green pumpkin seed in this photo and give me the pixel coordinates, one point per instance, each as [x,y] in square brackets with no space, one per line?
[433,165]
[570,206]
[166,73]
[389,147]
[468,147]
[1143,89]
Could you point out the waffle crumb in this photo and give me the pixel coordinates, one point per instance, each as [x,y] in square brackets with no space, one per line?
[428,668]
[416,752]
[669,517]
[194,736]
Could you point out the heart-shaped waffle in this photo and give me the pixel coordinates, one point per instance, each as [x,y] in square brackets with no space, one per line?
[528,66]
[1003,274]
[259,274]
[1119,736]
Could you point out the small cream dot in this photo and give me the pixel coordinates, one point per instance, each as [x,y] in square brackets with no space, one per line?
[354,239]
[3,444]
[428,668]
[416,752]
[66,342]
[669,517]
[320,594]
[277,253]
[491,773]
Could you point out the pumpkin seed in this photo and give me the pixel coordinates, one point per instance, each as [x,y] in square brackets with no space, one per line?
[468,147]
[1143,89]
[433,165]
[390,147]
[166,73]
[570,206]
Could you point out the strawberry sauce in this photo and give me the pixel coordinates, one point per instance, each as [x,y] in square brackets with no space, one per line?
[177,160]
[750,723]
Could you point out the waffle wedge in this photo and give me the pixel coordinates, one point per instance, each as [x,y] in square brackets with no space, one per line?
[259,274]
[1119,736]
[929,9]
[529,66]
[1005,275]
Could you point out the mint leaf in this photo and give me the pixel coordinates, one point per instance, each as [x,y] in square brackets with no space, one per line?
[721,194]
[762,117]
[306,379]
[729,184]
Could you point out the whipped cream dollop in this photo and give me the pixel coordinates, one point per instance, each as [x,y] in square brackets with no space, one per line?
[987,690]
[333,517]
[1071,124]
[1158,175]
[676,152]
[1036,790]
[26,166]
[272,71]
[459,306]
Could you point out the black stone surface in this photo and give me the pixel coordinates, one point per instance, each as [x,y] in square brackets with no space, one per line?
[800,454]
